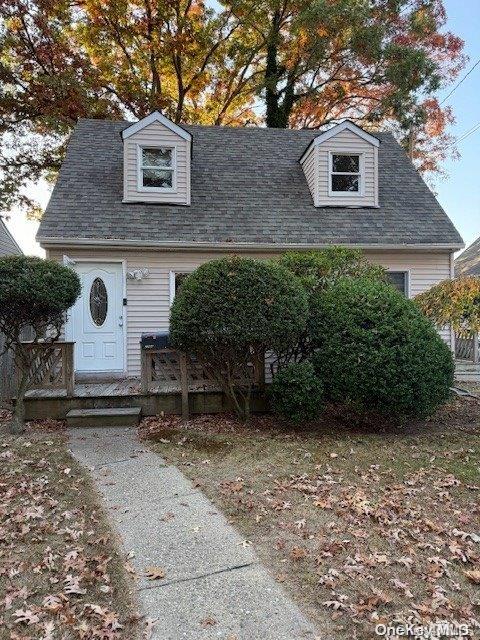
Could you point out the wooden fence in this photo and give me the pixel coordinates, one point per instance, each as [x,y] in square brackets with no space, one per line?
[163,367]
[468,348]
[52,366]
[7,377]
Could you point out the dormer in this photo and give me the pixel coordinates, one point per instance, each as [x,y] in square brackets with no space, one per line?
[341,167]
[156,161]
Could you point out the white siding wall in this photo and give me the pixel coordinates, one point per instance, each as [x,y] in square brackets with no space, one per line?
[309,166]
[156,134]
[344,142]
[149,299]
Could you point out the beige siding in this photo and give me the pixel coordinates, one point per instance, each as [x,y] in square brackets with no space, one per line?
[347,142]
[156,134]
[425,270]
[149,299]
[309,168]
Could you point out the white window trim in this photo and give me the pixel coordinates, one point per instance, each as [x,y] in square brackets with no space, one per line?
[171,283]
[140,186]
[361,173]
[407,273]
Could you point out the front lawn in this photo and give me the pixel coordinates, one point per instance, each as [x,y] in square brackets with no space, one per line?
[362,528]
[61,576]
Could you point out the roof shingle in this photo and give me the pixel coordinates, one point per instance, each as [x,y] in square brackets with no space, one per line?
[247,186]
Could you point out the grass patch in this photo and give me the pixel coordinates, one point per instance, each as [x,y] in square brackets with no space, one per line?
[61,574]
[361,527]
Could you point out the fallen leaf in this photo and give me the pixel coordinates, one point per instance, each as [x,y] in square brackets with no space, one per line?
[473,576]
[155,573]
[208,622]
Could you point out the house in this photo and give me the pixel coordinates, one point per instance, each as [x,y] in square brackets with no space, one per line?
[468,262]
[8,247]
[136,206]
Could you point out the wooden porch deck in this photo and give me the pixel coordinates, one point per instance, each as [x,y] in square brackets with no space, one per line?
[113,388]
[164,397]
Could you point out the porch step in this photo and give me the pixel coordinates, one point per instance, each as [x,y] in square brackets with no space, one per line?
[117,417]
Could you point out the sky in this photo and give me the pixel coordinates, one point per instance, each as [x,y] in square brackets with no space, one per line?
[459,193]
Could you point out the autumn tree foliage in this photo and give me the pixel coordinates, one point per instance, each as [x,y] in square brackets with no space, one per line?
[285,63]
[454,302]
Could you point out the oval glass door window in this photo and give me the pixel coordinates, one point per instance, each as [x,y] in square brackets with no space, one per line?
[98,301]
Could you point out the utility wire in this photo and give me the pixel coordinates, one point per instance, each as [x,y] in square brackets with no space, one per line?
[460,81]
[466,134]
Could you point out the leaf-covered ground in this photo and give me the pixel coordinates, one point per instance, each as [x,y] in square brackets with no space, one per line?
[361,527]
[61,576]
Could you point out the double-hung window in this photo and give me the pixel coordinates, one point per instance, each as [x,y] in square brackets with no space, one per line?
[399,279]
[345,174]
[156,168]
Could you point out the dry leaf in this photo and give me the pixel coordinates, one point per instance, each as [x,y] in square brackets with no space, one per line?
[473,576]
[208,622]
[155,573]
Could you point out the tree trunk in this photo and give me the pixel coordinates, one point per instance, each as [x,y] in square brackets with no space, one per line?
[17,425]
[272,75]
[278,109]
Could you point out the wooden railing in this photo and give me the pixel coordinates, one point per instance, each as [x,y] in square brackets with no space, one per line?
[162,367]
[468,348]
[169,366]
[51,366]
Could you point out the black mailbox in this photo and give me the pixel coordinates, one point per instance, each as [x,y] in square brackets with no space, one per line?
[155,340]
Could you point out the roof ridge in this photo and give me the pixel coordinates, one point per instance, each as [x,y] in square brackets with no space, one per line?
[229,127]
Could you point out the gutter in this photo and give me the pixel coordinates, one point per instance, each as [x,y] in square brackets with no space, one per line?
[241,246]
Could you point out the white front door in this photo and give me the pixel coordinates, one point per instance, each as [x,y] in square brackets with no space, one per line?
[95,322]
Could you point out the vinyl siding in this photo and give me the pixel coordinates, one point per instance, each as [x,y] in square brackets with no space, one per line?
[344,142]
[149,299]
[309,166]
[156,134]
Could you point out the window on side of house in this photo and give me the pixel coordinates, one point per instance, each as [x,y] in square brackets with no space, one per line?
[399,279]
[157,168]
[345,174]
[176,281]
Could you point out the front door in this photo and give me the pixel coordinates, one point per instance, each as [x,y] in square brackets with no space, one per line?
[95,322]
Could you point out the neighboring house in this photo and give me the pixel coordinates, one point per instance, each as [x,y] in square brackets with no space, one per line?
[136,206]
[8,247]
[468,262]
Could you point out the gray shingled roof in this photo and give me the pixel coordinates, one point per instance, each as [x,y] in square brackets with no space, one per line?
[468,263]
[247,186]
[8,246]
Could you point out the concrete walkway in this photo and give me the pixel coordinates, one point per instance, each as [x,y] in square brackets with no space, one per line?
[214,585]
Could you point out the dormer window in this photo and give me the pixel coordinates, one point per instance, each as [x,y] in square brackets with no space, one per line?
[156,169]
[345,174]
[341,167]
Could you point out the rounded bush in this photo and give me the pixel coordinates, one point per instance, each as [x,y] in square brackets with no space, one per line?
[35,291]
[296,392]
[235,304]
[377,351]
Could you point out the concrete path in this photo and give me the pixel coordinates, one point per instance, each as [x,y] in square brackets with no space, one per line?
[214,585]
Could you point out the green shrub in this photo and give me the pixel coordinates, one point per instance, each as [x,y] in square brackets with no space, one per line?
[229,312]
[34,295]
[296,392]
[376,351]
[318,270]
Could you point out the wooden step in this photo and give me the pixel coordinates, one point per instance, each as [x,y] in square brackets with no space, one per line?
[116,417]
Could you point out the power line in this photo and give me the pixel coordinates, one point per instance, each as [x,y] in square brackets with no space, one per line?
[460,81]
[466,134]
